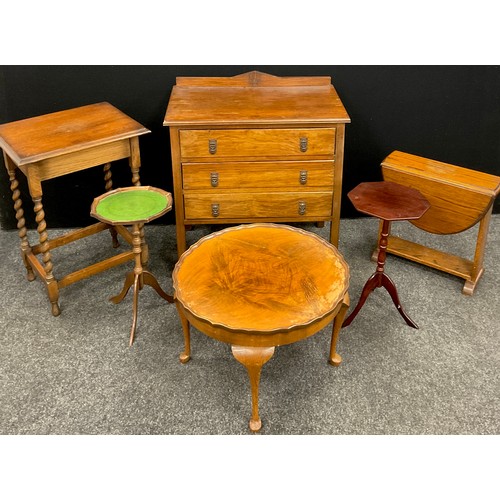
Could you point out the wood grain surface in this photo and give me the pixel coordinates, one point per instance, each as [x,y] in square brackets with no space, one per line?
[261,277]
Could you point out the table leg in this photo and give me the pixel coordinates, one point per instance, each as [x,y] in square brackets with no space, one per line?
[130,278]
[380,279]
[253,358]
[52,288]
[134,160]
[21,221]
[372,283]
[149,279]
[134,309]
[375,280]
[477,267]
[335,359]
[135,165]
[389,285]
[186,355]
[108,186]
[129,281]
[138,278]
[181,237]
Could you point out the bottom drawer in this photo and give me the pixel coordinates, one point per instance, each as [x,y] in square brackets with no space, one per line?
[249,205]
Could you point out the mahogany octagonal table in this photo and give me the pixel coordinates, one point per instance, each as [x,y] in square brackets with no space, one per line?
[389,202]
[259,286]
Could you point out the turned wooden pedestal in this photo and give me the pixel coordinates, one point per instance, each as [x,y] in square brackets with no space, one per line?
[389,202]
[259,286]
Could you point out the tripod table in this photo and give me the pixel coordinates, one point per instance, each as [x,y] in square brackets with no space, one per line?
[389,202]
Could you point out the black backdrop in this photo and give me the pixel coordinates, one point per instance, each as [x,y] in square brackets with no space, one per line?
[447,113]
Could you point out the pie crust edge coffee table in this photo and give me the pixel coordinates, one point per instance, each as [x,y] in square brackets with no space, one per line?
[259,286]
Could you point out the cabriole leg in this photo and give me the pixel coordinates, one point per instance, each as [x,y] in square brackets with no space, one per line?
[186,355]
[335,358]
[253,358]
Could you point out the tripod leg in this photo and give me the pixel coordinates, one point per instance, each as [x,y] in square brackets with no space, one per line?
[389,285]
[372,283]
[134,313]
[150,280]
[129,281]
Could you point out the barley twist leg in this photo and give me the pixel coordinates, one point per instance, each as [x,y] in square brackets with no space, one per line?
[108,186]
[21,223]
[50,281]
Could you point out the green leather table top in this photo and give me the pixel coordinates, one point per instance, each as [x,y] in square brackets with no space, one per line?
[129,206]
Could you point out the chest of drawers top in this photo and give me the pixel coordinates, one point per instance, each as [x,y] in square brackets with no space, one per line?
[254,99]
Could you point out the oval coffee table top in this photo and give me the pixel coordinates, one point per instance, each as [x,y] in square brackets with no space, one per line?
[261,278]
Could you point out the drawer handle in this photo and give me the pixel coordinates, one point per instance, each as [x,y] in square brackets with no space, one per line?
[302,207]
[212,146]
[214,179]
[303,144]
[215,210]
[303,177]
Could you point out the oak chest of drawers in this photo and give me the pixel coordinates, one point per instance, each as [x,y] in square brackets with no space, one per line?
[256,148]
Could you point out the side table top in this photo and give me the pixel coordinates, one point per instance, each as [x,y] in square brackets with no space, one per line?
[54,134]
[261,278]
[388,200]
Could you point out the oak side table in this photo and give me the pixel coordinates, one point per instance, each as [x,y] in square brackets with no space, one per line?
[61,143]
[256,148]
[388,202]
[259,286]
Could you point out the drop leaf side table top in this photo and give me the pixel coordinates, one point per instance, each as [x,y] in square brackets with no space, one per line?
[60,143]
[258,286]
[256,148]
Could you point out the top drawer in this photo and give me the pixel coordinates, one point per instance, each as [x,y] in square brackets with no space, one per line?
[239,143]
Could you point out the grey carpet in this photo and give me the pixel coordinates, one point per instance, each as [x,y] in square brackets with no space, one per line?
[75,374]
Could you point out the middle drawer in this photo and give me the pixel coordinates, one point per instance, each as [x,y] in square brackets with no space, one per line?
[306,174]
